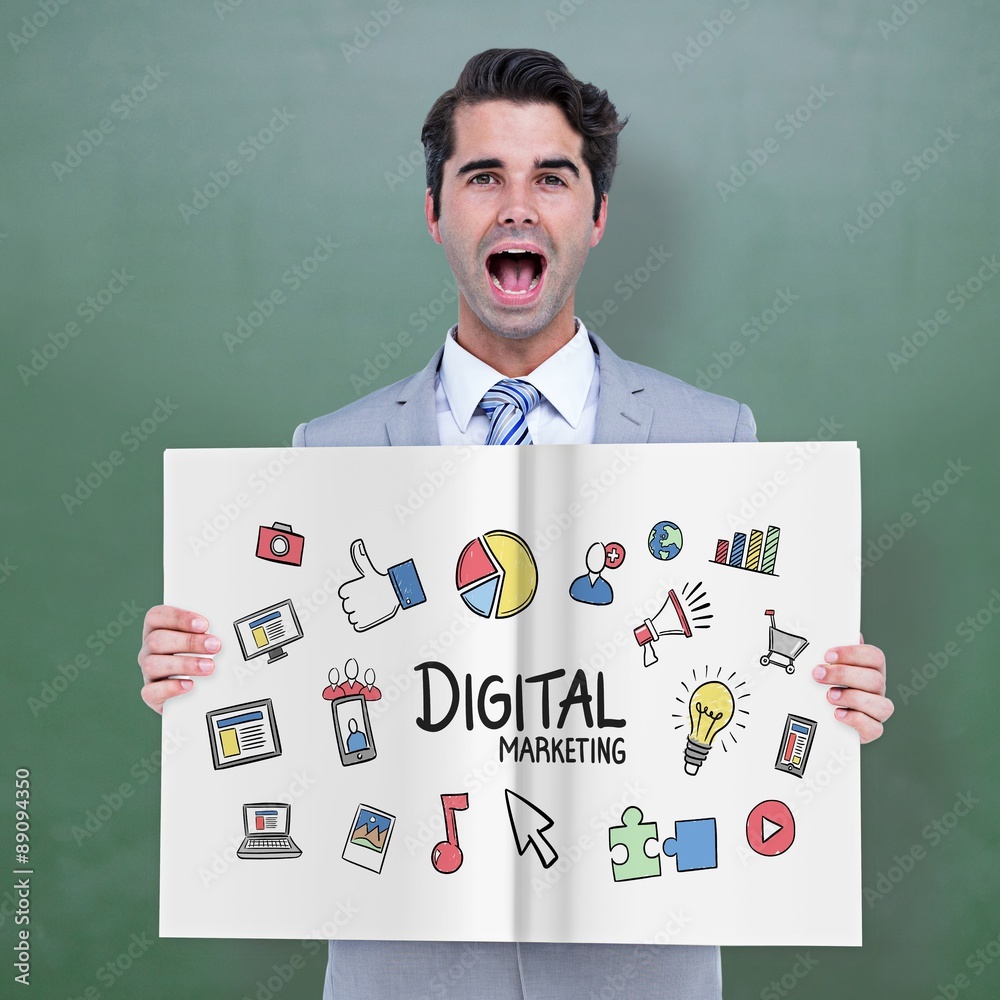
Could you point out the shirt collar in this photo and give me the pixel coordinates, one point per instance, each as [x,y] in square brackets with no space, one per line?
[564,379]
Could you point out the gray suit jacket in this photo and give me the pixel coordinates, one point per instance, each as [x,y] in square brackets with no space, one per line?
[636,404]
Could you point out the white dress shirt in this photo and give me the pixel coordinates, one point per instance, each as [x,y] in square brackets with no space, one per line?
[569,382]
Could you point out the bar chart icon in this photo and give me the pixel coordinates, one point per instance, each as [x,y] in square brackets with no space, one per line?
[756,552]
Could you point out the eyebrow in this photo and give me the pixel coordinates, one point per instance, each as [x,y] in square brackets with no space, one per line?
[492,163]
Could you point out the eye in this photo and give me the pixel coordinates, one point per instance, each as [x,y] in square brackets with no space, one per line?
[553,180]
[481,179]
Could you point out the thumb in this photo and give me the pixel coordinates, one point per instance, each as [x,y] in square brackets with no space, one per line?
[359,556]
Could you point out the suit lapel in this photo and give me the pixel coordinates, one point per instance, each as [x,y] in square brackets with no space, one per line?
[623,416]
[413,419]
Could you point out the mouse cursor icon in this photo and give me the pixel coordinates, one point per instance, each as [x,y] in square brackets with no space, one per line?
[529,823]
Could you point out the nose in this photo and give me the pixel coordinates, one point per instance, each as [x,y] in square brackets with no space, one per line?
[518,206]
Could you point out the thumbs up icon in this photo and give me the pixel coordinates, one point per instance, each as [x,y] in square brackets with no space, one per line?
[374,597]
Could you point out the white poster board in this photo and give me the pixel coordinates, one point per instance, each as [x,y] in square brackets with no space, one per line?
[537,694]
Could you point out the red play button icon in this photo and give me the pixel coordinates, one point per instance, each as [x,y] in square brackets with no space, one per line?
[770,828]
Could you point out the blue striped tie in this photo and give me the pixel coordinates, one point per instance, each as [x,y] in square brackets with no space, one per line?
[507,405]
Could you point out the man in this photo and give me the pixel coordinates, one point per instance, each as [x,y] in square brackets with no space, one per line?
[520,157]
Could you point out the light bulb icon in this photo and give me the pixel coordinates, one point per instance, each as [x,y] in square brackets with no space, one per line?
[710,710]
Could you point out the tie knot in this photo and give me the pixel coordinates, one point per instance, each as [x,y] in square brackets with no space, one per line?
[507,405]
[511,392]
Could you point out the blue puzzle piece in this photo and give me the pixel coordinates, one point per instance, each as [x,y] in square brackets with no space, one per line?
[693,845]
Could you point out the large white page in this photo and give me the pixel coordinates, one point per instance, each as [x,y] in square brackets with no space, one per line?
[641,591]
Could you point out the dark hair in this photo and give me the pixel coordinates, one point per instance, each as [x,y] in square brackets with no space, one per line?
[526,76]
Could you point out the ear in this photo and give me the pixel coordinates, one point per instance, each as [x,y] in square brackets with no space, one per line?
[602,219]
[433,226]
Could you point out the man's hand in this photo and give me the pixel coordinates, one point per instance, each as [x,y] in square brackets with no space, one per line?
[857,676]
[167,631]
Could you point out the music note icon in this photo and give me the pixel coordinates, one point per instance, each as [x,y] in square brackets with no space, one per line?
[447,856]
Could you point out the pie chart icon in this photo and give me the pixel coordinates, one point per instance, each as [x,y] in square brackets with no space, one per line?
[496,575]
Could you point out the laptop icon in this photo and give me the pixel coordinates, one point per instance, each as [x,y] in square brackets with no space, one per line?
[266,825]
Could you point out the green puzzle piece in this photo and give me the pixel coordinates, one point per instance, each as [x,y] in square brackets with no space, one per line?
[634,834]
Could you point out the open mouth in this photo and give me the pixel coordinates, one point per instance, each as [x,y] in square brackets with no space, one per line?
[515,271]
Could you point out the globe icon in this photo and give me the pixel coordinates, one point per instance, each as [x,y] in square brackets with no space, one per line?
[665,540]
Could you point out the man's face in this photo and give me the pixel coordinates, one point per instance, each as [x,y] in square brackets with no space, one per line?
[516,216]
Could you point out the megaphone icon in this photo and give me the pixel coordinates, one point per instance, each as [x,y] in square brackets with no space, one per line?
[674,618]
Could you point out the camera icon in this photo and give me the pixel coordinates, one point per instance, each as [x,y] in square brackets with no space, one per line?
[280,544]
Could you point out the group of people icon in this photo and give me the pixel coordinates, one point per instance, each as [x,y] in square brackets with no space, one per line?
[350,685]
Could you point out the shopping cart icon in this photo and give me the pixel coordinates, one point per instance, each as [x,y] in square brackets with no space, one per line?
[783,647]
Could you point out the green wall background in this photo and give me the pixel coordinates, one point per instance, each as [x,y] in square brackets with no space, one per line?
[891,79]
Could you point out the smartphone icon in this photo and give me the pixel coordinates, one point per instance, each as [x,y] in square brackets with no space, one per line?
[354,729]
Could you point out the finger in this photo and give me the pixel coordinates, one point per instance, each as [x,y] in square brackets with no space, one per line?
[858,656]
[873,705]
[359,556]
[156,667]
[865,726]
[862,678]
[174,619]
[156,693]
[166,641]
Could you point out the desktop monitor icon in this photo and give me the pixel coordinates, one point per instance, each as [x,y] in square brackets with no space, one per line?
[267,631]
